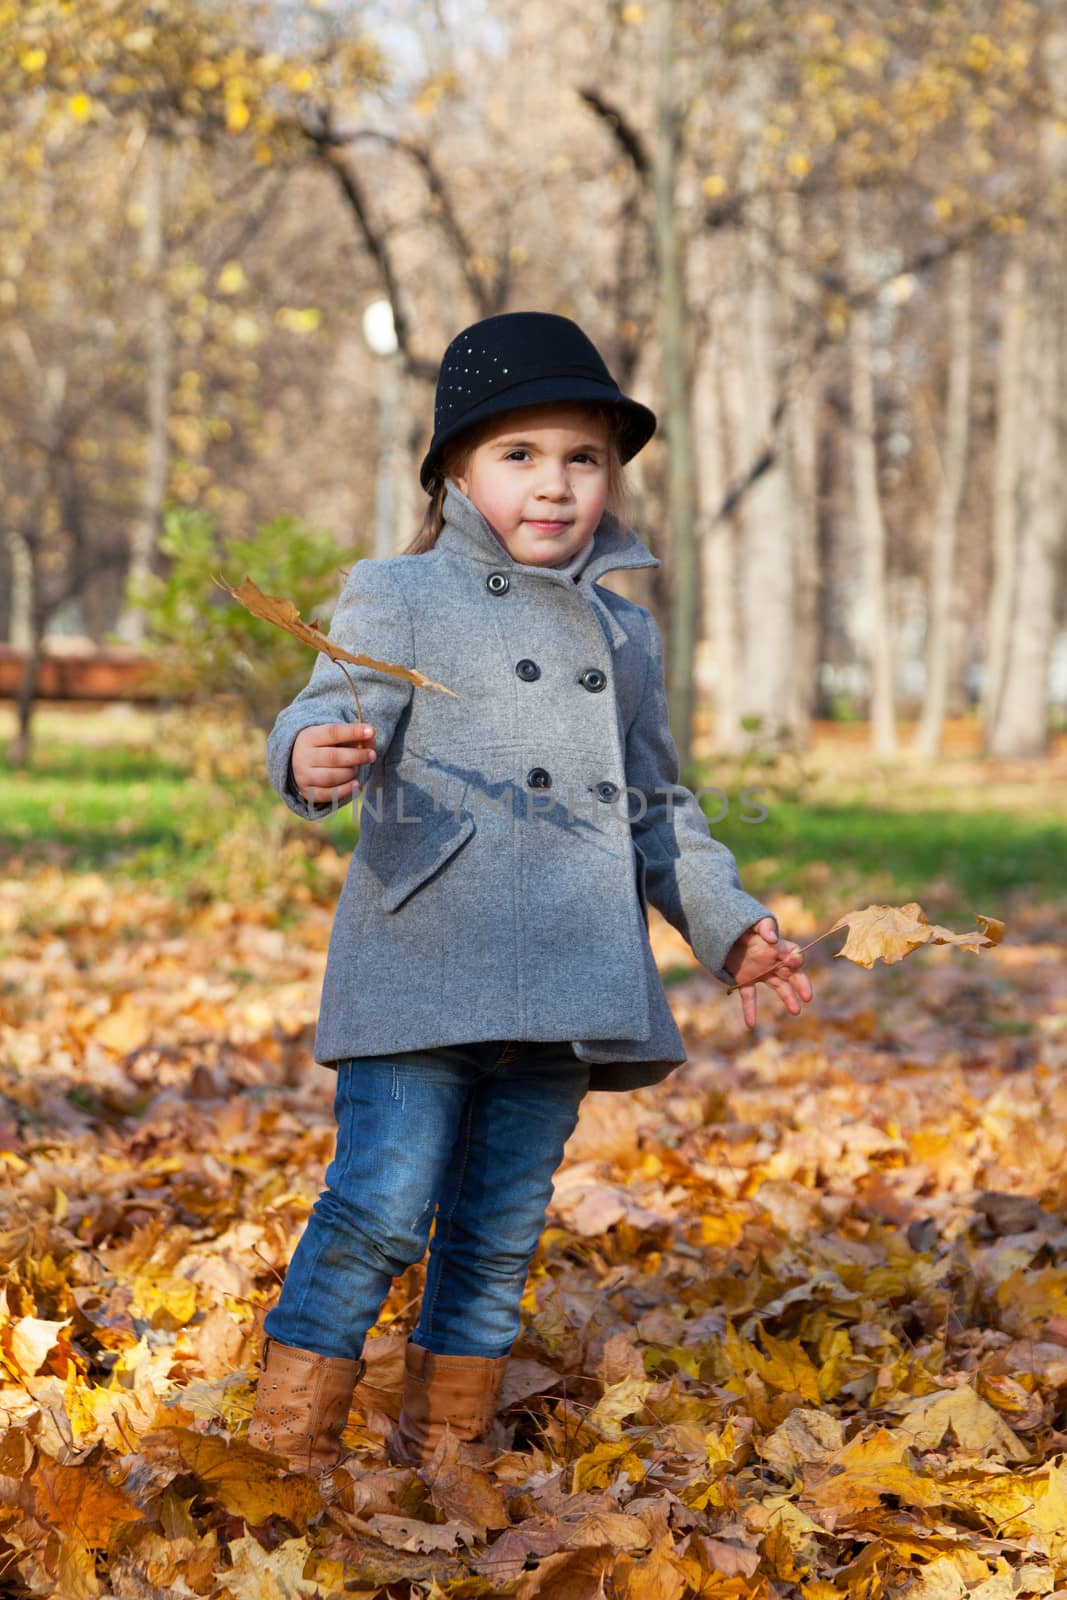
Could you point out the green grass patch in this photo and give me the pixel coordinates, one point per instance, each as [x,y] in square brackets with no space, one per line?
[949,860]
[141,796]
[154,800]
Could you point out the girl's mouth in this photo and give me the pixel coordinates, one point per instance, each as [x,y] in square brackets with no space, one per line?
[550,527]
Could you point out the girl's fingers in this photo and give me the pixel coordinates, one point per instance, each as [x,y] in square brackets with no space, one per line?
[325,773]
[327,777]
[319,795]
[792,993]
[343,760]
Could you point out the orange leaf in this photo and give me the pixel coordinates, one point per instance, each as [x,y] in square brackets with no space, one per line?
[462,1492]
[282,612]
[81,1503]
[243,1480]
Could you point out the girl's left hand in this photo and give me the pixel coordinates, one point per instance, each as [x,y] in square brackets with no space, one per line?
[750,960]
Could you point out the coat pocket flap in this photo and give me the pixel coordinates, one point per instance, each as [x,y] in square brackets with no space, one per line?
[436,846]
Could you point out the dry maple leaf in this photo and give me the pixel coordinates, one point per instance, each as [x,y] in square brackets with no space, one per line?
[893,932]
[282,612]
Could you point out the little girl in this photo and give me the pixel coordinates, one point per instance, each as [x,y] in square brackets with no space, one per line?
[489,960]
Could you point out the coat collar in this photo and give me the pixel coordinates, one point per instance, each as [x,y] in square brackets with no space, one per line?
[466,533]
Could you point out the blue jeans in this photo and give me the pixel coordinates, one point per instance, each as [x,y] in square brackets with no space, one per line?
[469,1137]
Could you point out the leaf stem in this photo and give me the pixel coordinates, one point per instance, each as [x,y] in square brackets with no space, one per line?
[352,686]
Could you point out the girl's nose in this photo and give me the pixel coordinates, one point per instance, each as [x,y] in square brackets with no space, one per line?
[556,484]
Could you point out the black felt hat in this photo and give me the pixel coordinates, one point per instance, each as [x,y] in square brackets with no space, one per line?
[525,358]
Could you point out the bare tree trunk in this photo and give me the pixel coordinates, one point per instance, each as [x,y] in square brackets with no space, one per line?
[718,574]
[868,498]
[159,339]
[801,434]
[685,586]
[941,593]
[48,384]
[754,393]
[18,753]
[767,510]
[1020,725]
[20,607]
[734,397]
[1005,486]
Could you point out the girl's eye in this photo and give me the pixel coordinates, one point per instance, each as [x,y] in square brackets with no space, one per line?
[579,455]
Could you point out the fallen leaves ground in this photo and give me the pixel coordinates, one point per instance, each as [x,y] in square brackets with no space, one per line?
[798,1324]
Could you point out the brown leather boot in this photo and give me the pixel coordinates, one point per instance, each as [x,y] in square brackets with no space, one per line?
[302,1405]
[459,1392]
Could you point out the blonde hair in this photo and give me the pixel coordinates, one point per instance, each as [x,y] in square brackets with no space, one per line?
[455,459]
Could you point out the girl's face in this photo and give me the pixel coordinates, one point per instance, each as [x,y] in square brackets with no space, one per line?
[539,477]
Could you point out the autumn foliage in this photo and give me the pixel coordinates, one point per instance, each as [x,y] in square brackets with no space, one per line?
[798,1323]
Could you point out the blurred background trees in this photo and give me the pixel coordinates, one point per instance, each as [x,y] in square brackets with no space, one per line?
[824,241]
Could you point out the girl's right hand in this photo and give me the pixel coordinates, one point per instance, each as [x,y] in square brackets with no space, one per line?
[326,760]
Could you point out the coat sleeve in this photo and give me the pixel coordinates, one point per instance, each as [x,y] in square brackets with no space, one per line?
[371,617]
[691,878]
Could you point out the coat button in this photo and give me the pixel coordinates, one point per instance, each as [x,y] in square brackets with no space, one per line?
[498,583]
[607,791]
[594,680]
[528,671]
[538,778]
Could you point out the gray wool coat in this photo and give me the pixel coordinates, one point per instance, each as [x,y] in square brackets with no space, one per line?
[511,839]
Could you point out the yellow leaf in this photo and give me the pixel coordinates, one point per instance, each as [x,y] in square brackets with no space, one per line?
[776,1549]
[975,1423]
[293,319]
[231,278]
[164,1301]
[789,1368]
[725,1231]
[940,1580]
[619,1401]
[31,1340]
[75,1569]
[80,107]
[804,1436]
[33,59]
[277,1574]
[124,1029]
[656,1576]
[856,1477]
[237,115]
[714,186]
[603,1464]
